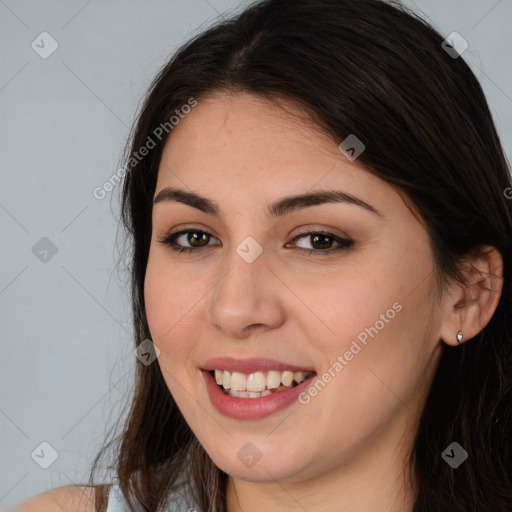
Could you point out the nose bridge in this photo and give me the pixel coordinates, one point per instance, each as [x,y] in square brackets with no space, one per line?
[245,270]
[242,297]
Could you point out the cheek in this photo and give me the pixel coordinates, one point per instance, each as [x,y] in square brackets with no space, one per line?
[166,304]
[169,311]
[169,297]
[336,310]
[373,333]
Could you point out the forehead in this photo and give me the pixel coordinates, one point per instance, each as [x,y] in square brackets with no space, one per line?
[245,143]
[238,126]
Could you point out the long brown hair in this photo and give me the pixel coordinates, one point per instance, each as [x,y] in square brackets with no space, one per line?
[356,66]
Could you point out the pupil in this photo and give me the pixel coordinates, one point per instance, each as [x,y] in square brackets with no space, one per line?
[316,237]
[193,235]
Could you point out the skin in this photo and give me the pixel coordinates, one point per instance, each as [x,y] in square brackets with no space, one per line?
[346,449]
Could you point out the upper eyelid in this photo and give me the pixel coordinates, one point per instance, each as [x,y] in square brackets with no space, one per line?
[304,230]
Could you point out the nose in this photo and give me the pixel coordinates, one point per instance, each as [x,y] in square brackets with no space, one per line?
[247,298]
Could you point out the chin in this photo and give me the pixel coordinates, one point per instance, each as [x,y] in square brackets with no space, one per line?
[263,471]
[257,461]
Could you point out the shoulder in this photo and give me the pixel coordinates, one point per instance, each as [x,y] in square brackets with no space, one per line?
[71,498]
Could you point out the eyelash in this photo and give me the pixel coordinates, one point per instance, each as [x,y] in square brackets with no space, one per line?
[345,243]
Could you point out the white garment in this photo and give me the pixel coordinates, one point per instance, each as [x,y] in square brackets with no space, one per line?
[177,502]
[116,502]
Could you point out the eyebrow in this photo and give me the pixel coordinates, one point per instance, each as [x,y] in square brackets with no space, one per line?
[276,209]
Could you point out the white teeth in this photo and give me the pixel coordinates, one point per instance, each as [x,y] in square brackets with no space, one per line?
[258,382]
[273,379]
[226,380]
[238,381]
[299,377]
[248,394]
[287,378]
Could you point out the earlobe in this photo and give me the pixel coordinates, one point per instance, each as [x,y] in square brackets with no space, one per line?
[471,306]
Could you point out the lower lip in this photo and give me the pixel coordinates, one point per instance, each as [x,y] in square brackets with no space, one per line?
[251,408]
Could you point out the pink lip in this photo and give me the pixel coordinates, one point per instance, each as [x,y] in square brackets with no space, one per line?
[252,408]
[251,365]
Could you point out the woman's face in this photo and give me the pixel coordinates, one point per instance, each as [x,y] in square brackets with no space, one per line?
[360,314]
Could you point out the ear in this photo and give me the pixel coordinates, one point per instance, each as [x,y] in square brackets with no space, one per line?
[470,307]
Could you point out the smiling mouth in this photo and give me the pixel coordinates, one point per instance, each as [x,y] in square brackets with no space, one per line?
[258,384]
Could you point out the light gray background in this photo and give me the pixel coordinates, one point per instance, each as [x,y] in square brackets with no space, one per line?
[66,355]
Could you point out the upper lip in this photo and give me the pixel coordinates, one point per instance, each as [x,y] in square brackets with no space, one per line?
[251,365]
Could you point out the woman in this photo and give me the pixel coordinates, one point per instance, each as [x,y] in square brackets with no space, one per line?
[376,376]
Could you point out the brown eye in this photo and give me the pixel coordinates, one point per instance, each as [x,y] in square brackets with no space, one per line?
[321,241]
[196,238]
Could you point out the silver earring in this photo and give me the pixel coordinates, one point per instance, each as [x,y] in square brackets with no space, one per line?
[459,337]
